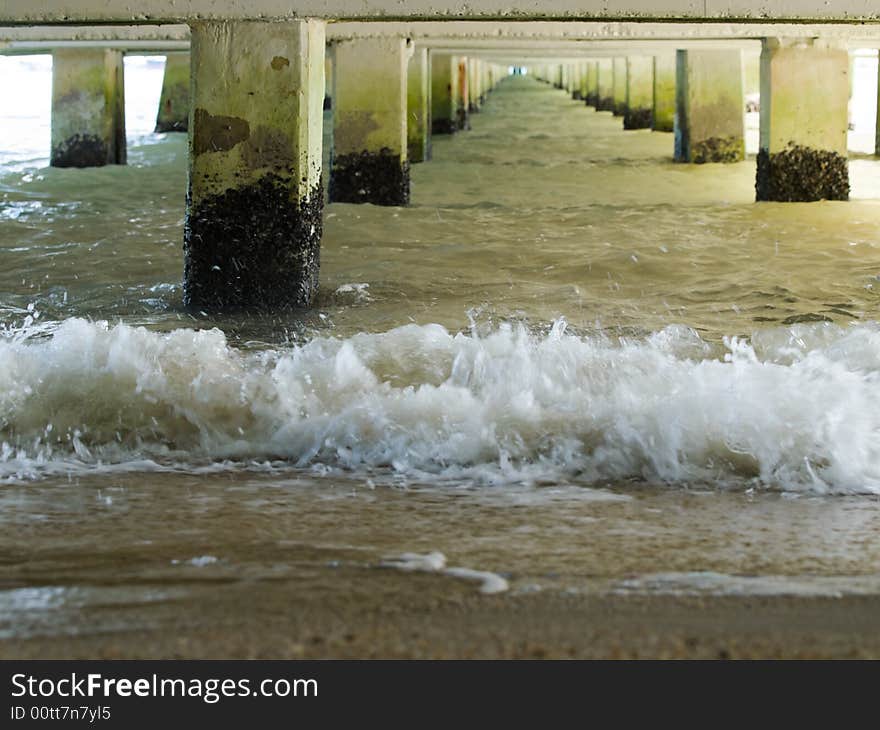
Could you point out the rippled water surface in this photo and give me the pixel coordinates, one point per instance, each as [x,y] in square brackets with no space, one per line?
[570,363]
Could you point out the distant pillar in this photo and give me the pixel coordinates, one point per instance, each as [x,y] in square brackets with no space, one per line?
[605,85]
[444,92]
[328,78]
[709,124]
[591,97]
[369,162]
[463,89]
[577,86]
[877,123]
[173,113]
[473,67]
[253,224]
[804,95]
[663,119]
[639,92]
[619,86]
[88,108]
[418,107]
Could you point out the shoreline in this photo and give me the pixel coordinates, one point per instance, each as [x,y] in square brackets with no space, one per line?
[417,617]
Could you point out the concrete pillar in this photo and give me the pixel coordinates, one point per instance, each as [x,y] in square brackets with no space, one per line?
[591,84]
[463,88]
[663,118]
[328,79]
[418,107]
[639,92]
[577,90]
[709,106]
[605,85]
[444,93]
[173,113]
[619,86]
[804,95]
[88,108]
[253,224]
[877,117]
[473,85]
[369,161]
[584,72]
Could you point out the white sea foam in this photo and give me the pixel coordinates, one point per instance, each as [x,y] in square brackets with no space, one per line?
[798,408]
[435,562]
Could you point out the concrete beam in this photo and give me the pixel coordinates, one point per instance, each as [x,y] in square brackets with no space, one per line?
[124,11]
[457,35]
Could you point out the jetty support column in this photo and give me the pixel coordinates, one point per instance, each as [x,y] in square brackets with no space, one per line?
[619,86]
[605,85]
[463,93]
[709,122]
[639,92]
[591,84]
[369,162]
[804,95]
[418,107]
[88,108]
[253,228]
[173,113]
[444,92]
[664,93]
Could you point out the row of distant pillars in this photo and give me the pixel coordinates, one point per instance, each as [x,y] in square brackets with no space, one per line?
[698,95]
[255,199]
[88,105]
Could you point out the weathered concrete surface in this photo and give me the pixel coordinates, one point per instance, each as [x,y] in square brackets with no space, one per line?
[474,96]
[88,108]
[567,39]
[253,225]
[664,93]
[618,92]
[463,90]
[605,84]
[583,73]
[804,96]
[173,113]
[369,162]
[72,11]
[639,92]
[591,97]
[444,93]
[709,125]
[418,107]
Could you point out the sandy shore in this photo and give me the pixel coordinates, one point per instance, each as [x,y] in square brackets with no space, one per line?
[415,616]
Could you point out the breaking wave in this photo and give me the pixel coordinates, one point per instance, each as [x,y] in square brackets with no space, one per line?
[795,408]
